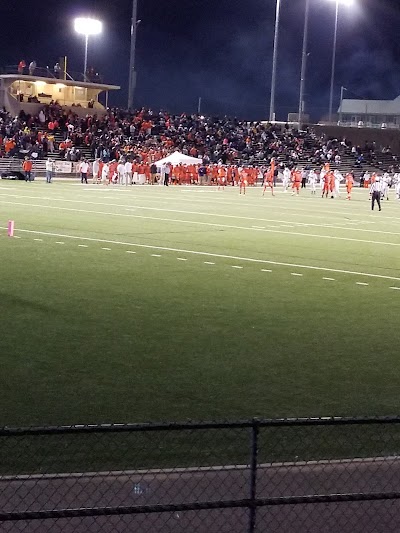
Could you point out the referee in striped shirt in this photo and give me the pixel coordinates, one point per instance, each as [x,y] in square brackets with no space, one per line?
[376,190]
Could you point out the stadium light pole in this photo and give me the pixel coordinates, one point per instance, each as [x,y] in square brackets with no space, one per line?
[87,27]
[274,61]
[338,2]
[304,63]
[132,63]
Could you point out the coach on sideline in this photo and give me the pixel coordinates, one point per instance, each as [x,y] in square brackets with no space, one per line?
[376,189]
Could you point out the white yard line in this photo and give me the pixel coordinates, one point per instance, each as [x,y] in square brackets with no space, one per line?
[83,246]
[210,254]
[283,223]
[329,279]
[208,224]
[296,274]
[208,263]
[107,249]
[265,270]
[360,283]
[395,288]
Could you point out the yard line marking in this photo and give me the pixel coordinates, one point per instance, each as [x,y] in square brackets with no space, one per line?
[16,237]
[208,263]
[395,288]
[108,249]
[59,242]
[360,283]
[130,252]
[181,259]
[236,266]
[265,270]
[38,240]
[219,201]
[329,279]
[285,223]
[209,254]
[296,274]
[83,245]
[155,255]
[210,224]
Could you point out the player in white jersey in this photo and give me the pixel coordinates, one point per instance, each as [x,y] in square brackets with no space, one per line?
[396,181]
[104,174]
[386,179]
[121,173]
[338,180]
[128,173]
[312,181]
[286,179]
[321,179]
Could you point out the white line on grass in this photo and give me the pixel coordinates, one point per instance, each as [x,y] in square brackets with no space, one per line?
[395,288]
[181,259]
[155,255]
[265,270]
[16,237]
[296,274]
[236,266]
[284,223]
[38,240]
[59,242]
[208,263]
[329,279]
[83,245]
[130,252]
[360,283]
[210,254]
[209,224]
[107,249]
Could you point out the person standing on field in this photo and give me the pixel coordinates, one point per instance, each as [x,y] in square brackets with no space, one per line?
[49,170]
[84,169]
[96,171]
[27,168]
[376,189]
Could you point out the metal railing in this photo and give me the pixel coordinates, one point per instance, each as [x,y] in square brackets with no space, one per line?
[300,475]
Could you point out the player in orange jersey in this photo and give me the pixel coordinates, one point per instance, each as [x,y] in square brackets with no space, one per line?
[268,181]
[221,180]
[327,184]
[349,184]
[242,181]
[296,181]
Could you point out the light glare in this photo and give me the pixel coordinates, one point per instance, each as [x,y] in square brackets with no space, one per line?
[88,26]
[344,2]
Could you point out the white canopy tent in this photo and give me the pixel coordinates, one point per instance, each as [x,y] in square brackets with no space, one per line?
[177,158]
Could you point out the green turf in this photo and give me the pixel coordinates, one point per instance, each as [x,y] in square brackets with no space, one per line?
[91,335]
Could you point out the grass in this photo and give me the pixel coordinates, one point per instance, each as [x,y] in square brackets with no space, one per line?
[94,336]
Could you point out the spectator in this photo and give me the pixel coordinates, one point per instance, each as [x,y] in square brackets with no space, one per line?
[57,70]
[32,68]
[21,66]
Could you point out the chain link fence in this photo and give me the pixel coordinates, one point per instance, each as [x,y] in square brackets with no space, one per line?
[303,475]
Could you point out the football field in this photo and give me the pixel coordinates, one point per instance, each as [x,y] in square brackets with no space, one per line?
[167,304]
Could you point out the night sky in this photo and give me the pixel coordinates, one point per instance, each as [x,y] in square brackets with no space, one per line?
[220,50]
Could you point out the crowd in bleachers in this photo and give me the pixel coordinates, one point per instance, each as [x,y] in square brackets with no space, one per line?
[146,136]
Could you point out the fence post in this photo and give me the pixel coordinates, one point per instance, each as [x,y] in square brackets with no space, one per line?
[255,429]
